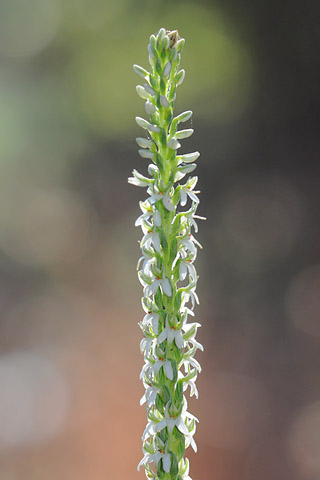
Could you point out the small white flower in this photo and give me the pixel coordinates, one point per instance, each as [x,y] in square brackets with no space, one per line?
[152,319]
[157,282]
[147,259]
[171,333]
[188,242]
[150,237]
[187,192]
[139,180]
[170,421]
[149,395]
[186,266]
[166,200]
[190,294]
[190,381]
[147,211]
[167,367]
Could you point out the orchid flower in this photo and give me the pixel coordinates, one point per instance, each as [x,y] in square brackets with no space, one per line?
[169,250]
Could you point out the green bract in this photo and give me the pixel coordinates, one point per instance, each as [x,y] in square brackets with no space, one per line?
[166,268]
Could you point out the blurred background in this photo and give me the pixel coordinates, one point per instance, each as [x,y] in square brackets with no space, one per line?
[70,297]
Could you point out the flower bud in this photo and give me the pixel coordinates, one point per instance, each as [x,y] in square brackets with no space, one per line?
[167,69]
[141,71]
[148,126]
[164,102]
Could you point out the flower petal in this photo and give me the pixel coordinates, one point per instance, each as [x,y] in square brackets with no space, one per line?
[182,426]
[168,370]
[166,287]
[166,462]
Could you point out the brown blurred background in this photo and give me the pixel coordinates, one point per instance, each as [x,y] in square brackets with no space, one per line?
[70,298]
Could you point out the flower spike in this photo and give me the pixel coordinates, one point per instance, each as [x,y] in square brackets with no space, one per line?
[166,268]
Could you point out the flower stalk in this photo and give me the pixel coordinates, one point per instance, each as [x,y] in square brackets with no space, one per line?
[166,268]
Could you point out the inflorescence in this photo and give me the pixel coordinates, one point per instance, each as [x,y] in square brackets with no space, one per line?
[166,268]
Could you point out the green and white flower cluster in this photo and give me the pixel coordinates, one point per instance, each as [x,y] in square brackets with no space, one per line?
[166,267]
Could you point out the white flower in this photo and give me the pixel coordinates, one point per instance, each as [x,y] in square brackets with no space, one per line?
[145,348]
[166,200]
[140,180]
[149,395]
[186,266]
[152,319]
[151,237]
[171,333]
[188,242]
[147,259]
[185,470]
[170,421]
[167,367]
[147,211]
[191,295]
[190,381]
[186,191]
[157,282]
[156,456]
